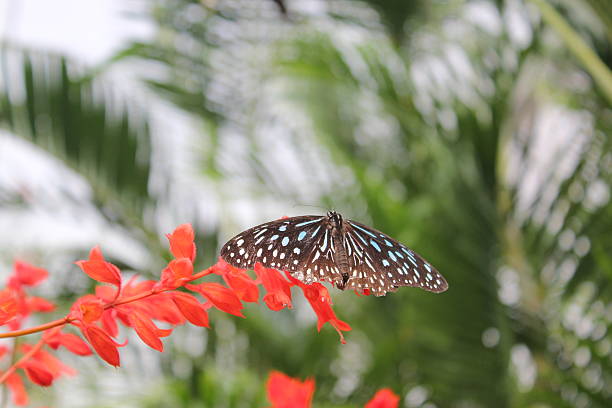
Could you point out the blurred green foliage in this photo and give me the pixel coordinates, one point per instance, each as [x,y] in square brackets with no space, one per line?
[432,122]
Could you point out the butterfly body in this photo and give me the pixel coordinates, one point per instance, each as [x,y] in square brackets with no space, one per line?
[328,248]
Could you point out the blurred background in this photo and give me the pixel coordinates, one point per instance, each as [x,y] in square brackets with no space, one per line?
[475,131]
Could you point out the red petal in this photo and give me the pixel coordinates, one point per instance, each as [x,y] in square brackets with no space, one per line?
[287,392]
[320,301]
[8,306]
[147,331]
[242,284]
[29,275]
[72,342]
[193,310]
[100,270]
[279,290]
[220,296]
[15,384]
[181,242]
[37,373]
[88,309]
[109,324]
[103,344]
[38,304]
[384,398]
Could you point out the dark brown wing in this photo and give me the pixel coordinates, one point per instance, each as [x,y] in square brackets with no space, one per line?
[381,264]
[302,245]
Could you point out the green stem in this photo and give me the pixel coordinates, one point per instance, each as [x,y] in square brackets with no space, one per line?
[589,59]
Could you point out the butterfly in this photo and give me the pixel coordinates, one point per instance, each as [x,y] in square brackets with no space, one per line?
[329,248]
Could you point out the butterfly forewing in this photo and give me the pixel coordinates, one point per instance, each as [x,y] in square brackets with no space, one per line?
[381,264]
[301,245]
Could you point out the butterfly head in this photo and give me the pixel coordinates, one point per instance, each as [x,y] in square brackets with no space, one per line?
[335,218]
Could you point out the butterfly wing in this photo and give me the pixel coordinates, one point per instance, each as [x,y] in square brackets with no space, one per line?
[302,245]
[381,264]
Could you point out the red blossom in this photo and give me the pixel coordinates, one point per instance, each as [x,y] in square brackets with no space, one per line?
[279,290]
[87,309]
[220,296]
[176,274]
[147,331]
[100,270]
[237,279]
[18,391]
[320,301]
[287,392]
[104,345]
[181,242]
[384,398]
[72,342]
[50,363]
[28,275]
[191,308]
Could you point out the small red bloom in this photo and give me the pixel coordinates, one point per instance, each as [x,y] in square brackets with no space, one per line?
[176,274]
[87,309]
[100,270]
[220,296]
[384,398]
[29,275]
[72,342]
[320,301]
[18,392]
[147,331]
[104,345]
[191,308]
[287,392]
[181,242]
[237,279]
[279,290]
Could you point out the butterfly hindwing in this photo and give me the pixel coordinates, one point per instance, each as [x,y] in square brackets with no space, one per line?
[381,264]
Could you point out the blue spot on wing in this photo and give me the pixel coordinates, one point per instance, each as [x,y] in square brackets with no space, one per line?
[285,241]
[282,228]
[388,243]
[385,262]
[375,245]
[274,237]
[392,256]
[301,235]
[316,231]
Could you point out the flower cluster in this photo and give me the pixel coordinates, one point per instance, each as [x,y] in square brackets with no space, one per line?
[287,392]
[136,304]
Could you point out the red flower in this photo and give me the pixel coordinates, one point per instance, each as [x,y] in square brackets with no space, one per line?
[176,274]
[104,345]
[18,392]
[147,331]
[320,301]
[237,279]
[87,309]
[28,275]
[279,290]
[191,308]
[71,341]
[100,270]
[384,398]
[181,242]
[287,392]
[220,296]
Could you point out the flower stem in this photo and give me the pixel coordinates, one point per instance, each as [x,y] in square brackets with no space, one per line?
[36,329]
